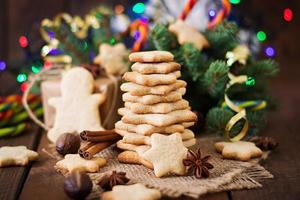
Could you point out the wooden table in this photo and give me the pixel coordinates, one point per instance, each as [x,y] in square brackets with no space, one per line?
[40,181]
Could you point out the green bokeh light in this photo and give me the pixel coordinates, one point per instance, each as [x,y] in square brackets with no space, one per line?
[138,8]
[261,36]
[235,1]
[250,81]
[21,78]
[35,69]
[112,41]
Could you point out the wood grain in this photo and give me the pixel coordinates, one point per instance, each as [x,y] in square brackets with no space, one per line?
[12,178]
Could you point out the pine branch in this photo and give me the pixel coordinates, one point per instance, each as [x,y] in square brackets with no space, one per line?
[77,48]
[215,78]
[193,61]
[162,39]
[262,68]
[222,38]
[216,120]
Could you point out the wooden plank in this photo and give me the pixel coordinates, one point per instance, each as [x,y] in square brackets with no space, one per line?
[43,180]
[12,178]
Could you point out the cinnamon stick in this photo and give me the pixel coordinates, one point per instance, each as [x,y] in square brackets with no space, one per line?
[99,136]
[90,149]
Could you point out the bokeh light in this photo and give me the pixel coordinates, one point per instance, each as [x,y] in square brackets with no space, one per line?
[21,77]
[23,42]
[235,1]
[261,36]
[287,14]
[2,65]
[270,51]
[139,8]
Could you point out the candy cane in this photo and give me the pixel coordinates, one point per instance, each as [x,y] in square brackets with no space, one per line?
[142,28]
[221,15]
[187,9]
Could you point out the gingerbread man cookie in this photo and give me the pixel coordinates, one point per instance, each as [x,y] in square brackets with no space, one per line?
[240,150]
[16,155]
[77,109]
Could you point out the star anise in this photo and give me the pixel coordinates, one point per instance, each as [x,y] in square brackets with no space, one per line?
[264,143]
[107,182]
[197,165]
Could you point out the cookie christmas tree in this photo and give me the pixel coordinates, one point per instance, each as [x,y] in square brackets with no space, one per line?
[153,104]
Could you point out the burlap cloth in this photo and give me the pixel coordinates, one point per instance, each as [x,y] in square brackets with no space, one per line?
[226,174]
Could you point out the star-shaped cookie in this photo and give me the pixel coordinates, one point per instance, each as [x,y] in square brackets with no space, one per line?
[188,34]
[73,162]
[113,58]
[166,154]
[239,53]
[240,150]
[16,155]
[132,192]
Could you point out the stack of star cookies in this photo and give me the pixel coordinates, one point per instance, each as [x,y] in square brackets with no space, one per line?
[153,102]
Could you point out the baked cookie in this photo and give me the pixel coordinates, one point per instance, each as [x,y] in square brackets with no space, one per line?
[140,149]
[166,154]
[131,137]
[16,155]
[173,96]
[240,150]
[151,56]
[132,157]
[147,129]
[141,90]
[159,108]
[73,162]
[113,58]
[151,79]
[155,68]
[160,120]
[188,34]
[131,192]
[77,109]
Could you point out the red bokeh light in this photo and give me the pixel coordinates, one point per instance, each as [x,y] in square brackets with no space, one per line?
[24,86]
[287,14]
[23,42]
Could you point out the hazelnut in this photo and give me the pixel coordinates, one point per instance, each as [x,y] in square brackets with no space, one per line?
[67,143]
[78,185]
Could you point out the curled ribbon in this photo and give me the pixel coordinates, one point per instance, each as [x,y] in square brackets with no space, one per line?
[139,27]
[221,15]
[78,26]
[240,111]
[252,105]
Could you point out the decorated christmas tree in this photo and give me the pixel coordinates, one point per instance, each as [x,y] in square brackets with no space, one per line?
[213,62]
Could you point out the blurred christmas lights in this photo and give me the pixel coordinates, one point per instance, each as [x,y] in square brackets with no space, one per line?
[35,69]
[139,8]
[119,9]
[24,86]
[211,14]
[270,51]
[21,77]
[2,65]
[250,81]
[287,14]
[235,1]
[261,36]
[23,42]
